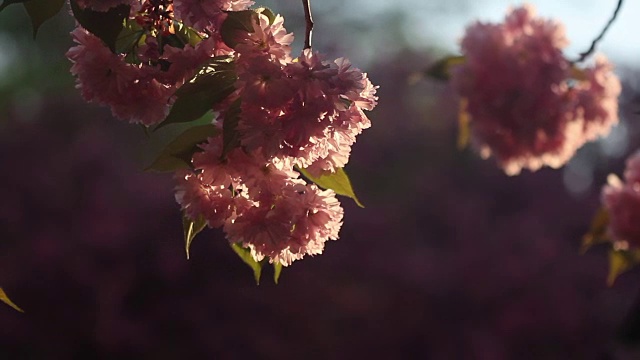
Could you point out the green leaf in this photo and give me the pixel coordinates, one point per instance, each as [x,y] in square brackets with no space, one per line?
[597,232]
[267,12]
[578,74]
[209,87]
[236,25]
[105,25]
[230,136]
[177,154]
[441,70]
[338,182]
[277,269]
[464,128]
[5,299]
[6,3]
[186,34]
[239,23]
[42,10]
[245,255]
[130,37]
[191,228]
[621,261]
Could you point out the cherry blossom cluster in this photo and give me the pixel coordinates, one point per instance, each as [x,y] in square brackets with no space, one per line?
[529,105]
[302,112]
[621,199]
[283,114]
[138,81]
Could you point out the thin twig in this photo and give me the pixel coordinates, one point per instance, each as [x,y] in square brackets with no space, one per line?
[309,22]
[592,48]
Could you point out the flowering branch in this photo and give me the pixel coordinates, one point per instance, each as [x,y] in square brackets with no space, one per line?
[309,22]
[592,48]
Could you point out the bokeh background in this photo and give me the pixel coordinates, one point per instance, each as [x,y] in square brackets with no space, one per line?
[450,259]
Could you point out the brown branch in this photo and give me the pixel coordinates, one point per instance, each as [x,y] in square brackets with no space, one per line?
[592,48]
[309,22]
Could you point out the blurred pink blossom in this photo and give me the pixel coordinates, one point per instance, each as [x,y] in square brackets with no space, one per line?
[622,201]
[530,106]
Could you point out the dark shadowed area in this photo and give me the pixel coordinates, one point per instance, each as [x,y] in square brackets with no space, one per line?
[450,259]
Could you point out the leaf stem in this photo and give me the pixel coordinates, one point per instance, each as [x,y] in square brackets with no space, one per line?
[592,48]
[309,22]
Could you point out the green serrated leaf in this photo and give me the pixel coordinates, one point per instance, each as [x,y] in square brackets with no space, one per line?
[230,136]
[597,232]
[621,261]
[191,228]
[277,269]
[245,255]
[464,125]
[177,154]
[186,34]
[6,3]
[208,88]
[237,25]
[266,12]
[105,25]
[578,74]
[42,10]
[441,70]
[130,37]
[338,182]
[5,299]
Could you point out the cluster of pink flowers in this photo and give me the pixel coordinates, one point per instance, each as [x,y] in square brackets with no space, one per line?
[285,112]
[301,112]
[530,106]
[621,199]
[139,81]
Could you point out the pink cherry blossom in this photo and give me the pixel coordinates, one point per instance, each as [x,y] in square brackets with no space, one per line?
[266,39]
[144,101]
[598,98]
[105,78]
[622,201]
[304,112]
[289,224]
[632,171]
[527,107]
[308,109]
[101,74]
[263,82]
[216,204]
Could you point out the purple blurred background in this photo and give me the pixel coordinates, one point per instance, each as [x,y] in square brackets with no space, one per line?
[450,259]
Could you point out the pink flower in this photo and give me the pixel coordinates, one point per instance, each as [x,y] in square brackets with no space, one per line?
[598,98]
[105,78]
[268,176]
[216,204]
[144,101]
[526,109]
[263,83]
[99,72]
[307,109]
[286,225]
[632,171]
[622,201]
[216,170]
[181,63]
[271,40]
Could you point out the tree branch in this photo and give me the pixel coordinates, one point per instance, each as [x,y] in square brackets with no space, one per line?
[309,22]
[592,48]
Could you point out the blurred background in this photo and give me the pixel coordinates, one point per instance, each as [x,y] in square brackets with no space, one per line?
[450,259]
